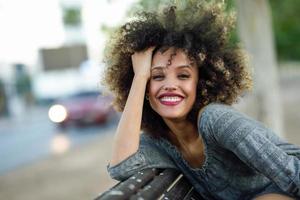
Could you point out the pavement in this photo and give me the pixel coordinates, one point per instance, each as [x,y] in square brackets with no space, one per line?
[78,174]
[81,172]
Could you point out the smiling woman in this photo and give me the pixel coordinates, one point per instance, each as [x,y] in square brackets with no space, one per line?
[173,84]
[175,75]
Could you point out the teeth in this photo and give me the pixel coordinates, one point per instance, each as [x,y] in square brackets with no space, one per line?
[171,99]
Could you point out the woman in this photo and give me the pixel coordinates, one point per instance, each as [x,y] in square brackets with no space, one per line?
[175,75]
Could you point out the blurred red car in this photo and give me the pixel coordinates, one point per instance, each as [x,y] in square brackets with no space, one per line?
[81,109]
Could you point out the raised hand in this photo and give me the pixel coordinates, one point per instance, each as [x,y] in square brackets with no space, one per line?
[141,62]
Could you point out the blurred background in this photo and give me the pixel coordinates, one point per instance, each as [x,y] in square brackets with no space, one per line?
[56,119]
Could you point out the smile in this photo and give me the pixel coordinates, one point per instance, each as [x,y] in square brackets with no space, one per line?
[170,100]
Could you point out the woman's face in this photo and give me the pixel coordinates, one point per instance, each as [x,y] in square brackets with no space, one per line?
[173,84]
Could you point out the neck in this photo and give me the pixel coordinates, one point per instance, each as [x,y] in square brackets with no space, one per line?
[182,131]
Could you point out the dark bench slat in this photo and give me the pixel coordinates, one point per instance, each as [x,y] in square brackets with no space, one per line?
[125,189]
[157,186]
[178,190]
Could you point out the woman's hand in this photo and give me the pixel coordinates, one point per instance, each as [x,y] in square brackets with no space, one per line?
[141,62]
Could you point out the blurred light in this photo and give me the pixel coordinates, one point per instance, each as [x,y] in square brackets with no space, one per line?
[57,113]
[60,144]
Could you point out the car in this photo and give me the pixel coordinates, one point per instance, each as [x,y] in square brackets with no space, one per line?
[83,108]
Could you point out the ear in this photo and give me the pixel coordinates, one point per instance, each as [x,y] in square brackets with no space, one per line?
[147,91]
[147,88]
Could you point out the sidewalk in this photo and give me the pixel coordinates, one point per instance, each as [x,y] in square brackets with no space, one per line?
[79,174]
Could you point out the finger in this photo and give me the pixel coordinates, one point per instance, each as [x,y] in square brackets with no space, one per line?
[151,48]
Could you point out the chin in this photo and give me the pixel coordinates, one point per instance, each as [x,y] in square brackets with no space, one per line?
[171,113]
[173,116]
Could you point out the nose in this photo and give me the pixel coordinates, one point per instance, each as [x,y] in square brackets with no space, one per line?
[170,83]
[169,87]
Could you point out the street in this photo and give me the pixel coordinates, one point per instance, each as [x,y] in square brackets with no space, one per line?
[32,136]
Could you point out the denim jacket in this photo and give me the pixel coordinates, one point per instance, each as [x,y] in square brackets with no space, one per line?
[243,158]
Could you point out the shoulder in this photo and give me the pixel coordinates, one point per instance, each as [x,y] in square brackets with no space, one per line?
[214,111]
[215,117]
[147,139]
[149,143]
[147,156]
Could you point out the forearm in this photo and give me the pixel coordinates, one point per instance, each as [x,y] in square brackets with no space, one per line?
[126,140]
[254,144]
[256,150]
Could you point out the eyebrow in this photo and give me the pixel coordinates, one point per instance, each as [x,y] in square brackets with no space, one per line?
[179,66]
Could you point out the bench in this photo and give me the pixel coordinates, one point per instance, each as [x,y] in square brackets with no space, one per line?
[166,184]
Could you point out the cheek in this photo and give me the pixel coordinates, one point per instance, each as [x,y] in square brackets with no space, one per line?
[153,88]
[192,90]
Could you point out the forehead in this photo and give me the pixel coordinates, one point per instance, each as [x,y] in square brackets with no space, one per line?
[175,57]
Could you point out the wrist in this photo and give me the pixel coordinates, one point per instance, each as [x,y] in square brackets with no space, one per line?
[141,77]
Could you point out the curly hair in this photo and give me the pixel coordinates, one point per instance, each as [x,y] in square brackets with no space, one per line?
[202,29]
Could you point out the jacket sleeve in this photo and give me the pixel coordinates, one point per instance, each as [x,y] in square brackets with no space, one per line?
[254,144]
[147,156]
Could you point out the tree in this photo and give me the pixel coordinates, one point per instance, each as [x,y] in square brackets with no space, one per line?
[255,31]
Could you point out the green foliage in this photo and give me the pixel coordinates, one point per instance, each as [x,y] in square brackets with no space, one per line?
[230,6]
[286,26]
[72,16]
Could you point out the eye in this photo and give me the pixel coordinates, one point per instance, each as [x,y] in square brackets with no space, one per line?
[183,76]
[158,77]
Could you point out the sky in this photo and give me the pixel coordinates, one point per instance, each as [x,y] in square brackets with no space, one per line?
[26,26]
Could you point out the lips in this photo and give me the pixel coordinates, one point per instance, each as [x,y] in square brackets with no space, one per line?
[170,99]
